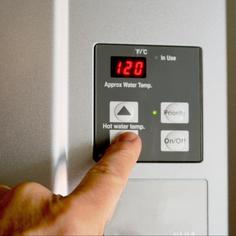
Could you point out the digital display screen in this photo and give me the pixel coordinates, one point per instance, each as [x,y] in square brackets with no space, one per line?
[128,67]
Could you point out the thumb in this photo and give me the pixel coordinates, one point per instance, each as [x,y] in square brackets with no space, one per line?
[103,184]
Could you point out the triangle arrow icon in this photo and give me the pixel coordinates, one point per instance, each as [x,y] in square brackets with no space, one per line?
[123,112]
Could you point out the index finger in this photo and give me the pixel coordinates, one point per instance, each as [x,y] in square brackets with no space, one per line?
[103,184]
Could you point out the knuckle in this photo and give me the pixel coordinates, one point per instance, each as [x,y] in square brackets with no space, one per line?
[106,170]
[24,187]
[27,188]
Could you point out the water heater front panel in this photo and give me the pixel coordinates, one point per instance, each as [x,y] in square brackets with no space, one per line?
[182,88]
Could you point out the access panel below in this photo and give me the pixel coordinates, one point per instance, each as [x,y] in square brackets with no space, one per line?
[161,207]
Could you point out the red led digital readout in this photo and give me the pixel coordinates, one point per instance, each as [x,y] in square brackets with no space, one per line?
[128,67]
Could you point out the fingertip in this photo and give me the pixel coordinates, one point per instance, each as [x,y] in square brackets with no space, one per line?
[127,137]
[128,140]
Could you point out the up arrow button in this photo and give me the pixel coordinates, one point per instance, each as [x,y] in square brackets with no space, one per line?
[123,111]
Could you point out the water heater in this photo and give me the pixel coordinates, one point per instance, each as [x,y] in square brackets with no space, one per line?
[77,73]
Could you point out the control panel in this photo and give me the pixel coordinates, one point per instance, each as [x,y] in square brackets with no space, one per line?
[154,91]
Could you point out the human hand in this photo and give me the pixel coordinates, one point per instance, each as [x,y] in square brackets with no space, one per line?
[32,209]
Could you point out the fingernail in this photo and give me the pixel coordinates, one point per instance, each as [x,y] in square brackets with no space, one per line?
[126,137]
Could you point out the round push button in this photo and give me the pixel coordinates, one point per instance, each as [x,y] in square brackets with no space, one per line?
[124,112]
[175,141]
[176,112]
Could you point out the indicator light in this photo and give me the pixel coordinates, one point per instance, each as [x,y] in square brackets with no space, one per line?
[154,113]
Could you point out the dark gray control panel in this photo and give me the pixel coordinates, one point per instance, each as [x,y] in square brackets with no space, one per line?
[154,91]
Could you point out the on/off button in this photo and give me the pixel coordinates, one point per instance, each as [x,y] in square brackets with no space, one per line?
[174,141]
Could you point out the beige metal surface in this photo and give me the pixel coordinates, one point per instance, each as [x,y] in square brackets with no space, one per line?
[26,91]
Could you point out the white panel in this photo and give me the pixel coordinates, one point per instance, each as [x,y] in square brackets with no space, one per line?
[159,22]
[161,207]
